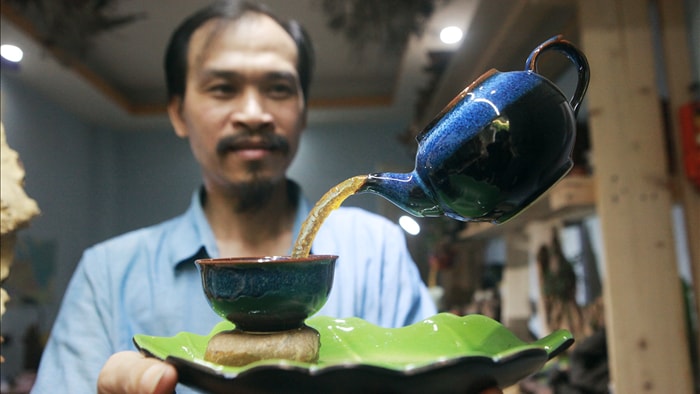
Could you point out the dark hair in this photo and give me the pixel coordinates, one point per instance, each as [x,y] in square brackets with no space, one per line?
[176,52]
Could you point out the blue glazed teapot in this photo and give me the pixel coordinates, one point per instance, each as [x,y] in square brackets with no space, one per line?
[495,148]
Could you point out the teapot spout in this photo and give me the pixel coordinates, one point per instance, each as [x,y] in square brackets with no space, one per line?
[406,191]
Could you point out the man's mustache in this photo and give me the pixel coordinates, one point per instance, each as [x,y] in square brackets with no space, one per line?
[248,141]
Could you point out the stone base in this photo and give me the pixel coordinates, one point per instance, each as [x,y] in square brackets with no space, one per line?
[238,348]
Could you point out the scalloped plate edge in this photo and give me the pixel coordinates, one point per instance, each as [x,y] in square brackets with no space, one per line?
[547,347]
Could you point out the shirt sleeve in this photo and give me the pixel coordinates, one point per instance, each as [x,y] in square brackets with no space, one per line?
[79,344]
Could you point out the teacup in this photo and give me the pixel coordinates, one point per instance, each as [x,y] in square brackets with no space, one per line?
[262,294]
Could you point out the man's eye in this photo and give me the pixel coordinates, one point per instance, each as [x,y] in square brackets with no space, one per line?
[221,89]
[280,90]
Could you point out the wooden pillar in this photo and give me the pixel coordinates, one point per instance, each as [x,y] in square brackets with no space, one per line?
[645,319]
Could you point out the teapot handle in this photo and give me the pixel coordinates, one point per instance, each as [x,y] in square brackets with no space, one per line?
[575,55]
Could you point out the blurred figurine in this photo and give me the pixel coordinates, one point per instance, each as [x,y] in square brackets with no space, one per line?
[17,210]
[559,288]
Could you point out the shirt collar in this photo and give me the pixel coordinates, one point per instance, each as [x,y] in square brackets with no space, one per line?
[192,236]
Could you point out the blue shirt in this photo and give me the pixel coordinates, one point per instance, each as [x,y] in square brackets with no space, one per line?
[145,282]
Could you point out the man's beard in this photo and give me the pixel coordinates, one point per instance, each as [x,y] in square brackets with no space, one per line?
[253,195]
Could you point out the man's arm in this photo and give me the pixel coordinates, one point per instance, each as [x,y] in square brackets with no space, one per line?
[79,343]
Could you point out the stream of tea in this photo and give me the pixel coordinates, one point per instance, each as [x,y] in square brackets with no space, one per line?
[330,201]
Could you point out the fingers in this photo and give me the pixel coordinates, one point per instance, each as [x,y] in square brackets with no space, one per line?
[131,372]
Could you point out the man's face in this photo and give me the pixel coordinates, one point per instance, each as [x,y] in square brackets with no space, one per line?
[243,108]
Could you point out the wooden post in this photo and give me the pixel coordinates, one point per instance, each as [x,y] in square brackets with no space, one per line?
[644,311]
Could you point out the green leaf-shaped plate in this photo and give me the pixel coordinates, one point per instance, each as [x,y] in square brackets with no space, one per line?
[441,354]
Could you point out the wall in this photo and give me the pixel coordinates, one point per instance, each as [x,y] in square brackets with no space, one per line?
[330,154]
[155,175]
[55,148]
[693,7]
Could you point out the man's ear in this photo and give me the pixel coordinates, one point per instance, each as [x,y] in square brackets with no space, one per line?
[175,115]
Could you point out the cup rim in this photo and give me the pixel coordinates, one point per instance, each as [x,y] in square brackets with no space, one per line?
[264,259]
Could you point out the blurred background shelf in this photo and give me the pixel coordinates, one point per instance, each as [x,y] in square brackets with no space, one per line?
[571,199]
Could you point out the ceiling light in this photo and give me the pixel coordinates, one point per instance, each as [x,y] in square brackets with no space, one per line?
[11,53]
[451,35]
[409,225]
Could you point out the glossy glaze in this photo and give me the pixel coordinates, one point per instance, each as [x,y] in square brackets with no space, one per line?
[269,293]
[497,147]
[445,353]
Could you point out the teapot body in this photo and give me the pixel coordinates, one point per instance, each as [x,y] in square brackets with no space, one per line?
[506,140]
[495,148]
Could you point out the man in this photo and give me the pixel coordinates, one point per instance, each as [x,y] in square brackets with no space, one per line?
[238,85]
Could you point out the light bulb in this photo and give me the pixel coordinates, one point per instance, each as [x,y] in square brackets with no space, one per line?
[451,35]
[409,225]
[11,53]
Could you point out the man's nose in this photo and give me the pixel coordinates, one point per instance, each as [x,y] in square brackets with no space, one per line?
[252,113]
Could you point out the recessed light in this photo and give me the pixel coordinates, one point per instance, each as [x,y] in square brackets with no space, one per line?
[409,225]
[451,35]
[11,53]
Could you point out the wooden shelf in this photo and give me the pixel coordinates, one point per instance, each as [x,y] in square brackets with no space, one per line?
[574,191]
[571,199]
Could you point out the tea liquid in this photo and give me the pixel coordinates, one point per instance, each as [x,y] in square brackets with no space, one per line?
[330,201]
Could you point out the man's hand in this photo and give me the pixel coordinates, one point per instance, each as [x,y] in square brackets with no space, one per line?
[131,372]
